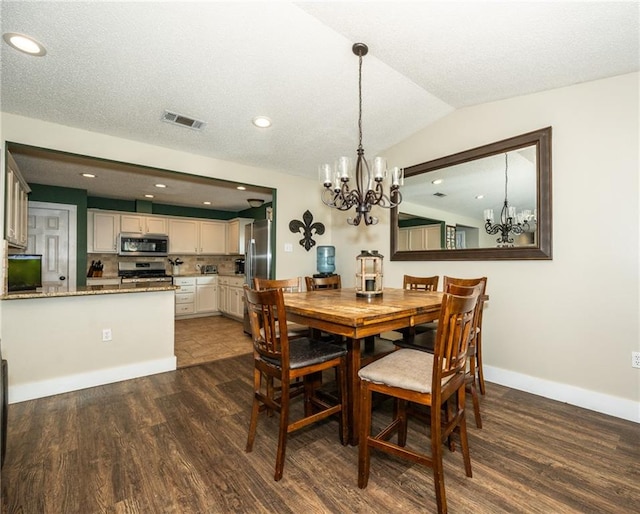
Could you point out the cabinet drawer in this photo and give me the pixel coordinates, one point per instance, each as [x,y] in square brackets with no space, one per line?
[186,289]
[236,281]
[206,280]
[184,281]
[185,308]
[184,297]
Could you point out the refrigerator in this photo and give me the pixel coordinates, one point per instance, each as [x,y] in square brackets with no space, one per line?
[258,256]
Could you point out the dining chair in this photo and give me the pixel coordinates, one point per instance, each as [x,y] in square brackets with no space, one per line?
[436,380]
[278,357]
[294,330]
[329,282]
[426,284]
[288,285]
[425,341]
[476,356]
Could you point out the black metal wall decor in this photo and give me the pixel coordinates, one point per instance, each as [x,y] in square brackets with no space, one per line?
[307,229]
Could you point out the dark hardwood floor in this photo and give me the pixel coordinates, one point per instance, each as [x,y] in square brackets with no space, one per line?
[174,443]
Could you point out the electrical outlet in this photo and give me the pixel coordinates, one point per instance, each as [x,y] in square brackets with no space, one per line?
[106,334]
[635,359]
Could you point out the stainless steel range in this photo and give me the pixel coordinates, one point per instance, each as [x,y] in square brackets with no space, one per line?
[144,274]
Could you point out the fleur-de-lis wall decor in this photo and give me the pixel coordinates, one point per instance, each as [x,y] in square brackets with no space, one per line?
[308,228]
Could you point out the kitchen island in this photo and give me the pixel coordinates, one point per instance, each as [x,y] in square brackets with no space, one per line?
[60,341]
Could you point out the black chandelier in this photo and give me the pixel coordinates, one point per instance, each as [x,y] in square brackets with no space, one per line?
[509,222]
[369,187]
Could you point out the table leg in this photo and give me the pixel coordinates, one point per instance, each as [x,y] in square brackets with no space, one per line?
[353,388]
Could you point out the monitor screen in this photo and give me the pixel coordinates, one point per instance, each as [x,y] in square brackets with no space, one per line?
[24,272]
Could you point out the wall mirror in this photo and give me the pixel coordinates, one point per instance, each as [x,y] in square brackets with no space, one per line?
[447,203]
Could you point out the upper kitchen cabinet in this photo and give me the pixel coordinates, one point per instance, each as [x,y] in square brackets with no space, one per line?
[235,235]
[143,224]
[102,231]
[16,206]
[213,237]
[193,236]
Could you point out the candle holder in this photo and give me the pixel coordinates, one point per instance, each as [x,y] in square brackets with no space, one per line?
[369,273]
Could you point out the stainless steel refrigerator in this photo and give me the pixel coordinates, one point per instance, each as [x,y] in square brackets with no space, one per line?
[257,242]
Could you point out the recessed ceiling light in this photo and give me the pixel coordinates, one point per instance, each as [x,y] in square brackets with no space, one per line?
[148,196]
[207,203]
[437,181]
[88,175]
[25,44]
[261,122]
[241,188]
[479,197]
[160,185]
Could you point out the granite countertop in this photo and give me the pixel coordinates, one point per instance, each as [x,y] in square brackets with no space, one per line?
[87,291]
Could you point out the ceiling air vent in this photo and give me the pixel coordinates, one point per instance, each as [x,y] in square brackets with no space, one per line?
[440,195]
[183,121]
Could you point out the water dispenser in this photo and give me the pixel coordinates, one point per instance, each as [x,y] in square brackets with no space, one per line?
[326,259]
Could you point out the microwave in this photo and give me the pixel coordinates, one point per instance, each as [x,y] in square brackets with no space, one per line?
[143,245]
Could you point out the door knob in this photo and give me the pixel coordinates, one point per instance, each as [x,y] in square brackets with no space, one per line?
[62,277]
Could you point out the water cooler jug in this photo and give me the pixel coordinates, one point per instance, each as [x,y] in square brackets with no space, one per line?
[326,260]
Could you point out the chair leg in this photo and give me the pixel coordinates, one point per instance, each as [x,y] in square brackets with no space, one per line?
[436,456]
[344,421]
[364,456]
[253,424]
[479,363]
[476,404]
[464,442]
[401,414]
[282,431]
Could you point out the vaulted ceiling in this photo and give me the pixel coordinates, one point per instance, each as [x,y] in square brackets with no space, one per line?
[115,67]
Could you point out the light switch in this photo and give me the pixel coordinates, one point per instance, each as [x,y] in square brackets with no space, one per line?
[288,247]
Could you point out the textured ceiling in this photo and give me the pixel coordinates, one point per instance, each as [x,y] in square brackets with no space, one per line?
[114,67]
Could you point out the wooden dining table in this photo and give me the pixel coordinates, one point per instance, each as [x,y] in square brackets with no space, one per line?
[342,312]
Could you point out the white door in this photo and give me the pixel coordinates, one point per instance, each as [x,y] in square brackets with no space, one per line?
[52,233]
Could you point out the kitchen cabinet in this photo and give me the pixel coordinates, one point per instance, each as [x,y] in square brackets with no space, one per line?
[185,296]
[192,236]
[206,294]
[231,296]
[183,236]
[213,236]
[420,238]
[103,228]
[235,235]
[16,206]
[143,224]
[197,296]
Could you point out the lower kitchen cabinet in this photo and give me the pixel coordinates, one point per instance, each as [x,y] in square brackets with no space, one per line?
[197,296]
[231,296]
[206,294]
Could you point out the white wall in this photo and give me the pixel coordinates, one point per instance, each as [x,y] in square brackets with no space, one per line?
[563,328]
[54,345]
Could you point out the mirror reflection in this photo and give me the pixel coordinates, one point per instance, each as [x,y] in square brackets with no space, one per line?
[492,202]
[449,208]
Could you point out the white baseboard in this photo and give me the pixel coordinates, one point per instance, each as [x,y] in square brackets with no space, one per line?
[599,402]
[65,384]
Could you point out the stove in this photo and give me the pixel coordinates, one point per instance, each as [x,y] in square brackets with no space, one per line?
[143,273]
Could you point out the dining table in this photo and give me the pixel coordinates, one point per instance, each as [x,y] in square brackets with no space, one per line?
[342,312]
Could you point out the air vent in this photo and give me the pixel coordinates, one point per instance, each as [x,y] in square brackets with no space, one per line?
[440,195]
[183,121]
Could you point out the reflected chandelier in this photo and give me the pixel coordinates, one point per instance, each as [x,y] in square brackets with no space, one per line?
[369,187]
[510,223]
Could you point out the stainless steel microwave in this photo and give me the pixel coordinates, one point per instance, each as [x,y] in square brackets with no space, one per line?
[143,245]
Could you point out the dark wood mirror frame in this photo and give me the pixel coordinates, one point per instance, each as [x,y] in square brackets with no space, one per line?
[541,251]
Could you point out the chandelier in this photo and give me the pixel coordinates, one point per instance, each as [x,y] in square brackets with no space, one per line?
[510,221]
[369,184]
